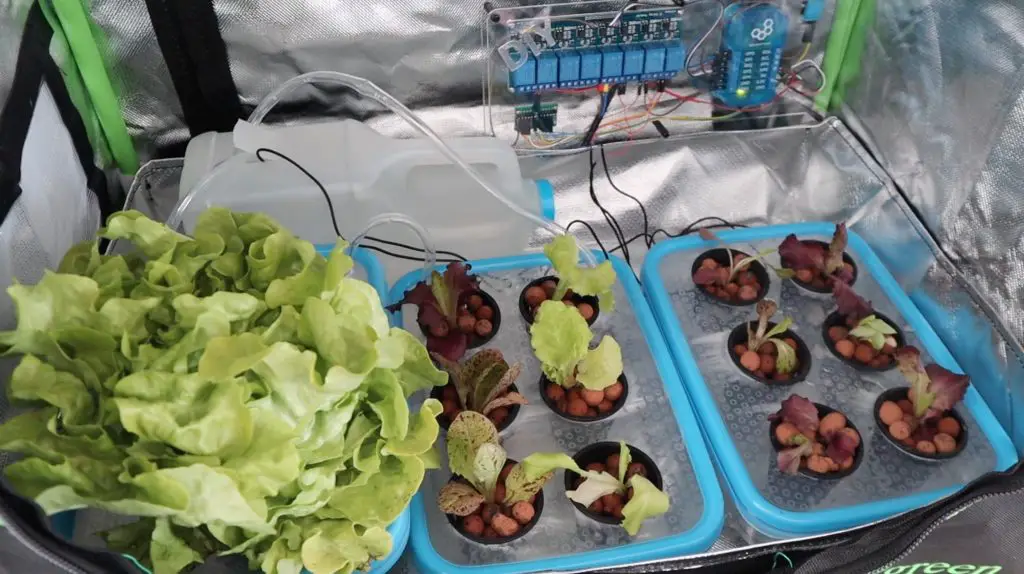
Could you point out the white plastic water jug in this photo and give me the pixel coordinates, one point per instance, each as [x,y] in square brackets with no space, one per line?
[366,174]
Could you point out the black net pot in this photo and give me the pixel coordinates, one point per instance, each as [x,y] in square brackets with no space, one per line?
[837,320]
[474,340]
[827,288]
[899,394]
[721,255]
[738,336]
[599,452]
[858,454]
[538,508]
[513,411]
[616,405]
[527,313]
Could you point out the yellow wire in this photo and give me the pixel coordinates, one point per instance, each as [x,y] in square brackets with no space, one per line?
[807,50]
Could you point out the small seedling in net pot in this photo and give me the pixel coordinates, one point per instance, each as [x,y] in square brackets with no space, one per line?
[859,335]
[615,488]
[921,420]
[484,383]
[588,289]
[454,314]
[731,276]
[817,265]
[492,500]
[814,439]
[579,383]
[769,352]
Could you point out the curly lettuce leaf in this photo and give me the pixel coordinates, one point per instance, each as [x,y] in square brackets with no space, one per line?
[785,360]
[153,239]
[647,502]
[597,281]
[849,304]
[490,459]
[801,413]
[459,499]
[560,338]
[168,553]
[601,366]
[528,477]
[788,459]
[594,486]
[841,447]
[873,330]
[467,433]
[948,387]
[383,495]
[339,546]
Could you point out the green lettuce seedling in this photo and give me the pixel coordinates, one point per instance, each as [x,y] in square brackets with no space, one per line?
[785,361]
[564,254]
[647,501]
[561,337]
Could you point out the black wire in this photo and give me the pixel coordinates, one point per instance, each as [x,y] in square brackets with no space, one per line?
[337,230]
[608,217]
[606,99]
[692,227]
[592,233]
[643,210]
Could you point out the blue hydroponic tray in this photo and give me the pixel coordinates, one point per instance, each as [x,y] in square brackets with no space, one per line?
[733,408]
[368,269]
[655,418]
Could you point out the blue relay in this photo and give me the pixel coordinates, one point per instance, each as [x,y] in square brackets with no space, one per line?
[590,66]
[568,69]
[524,78]
[752,43]
[633,62]
[547,71]
[611,68]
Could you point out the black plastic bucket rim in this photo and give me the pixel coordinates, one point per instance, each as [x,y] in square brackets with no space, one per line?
[604,449]
[738,336]
[616,406]
[899,393]
[827,289]
[513,411]
[836,320]
[858,454]
[474,340]
[456,521]
[525,310]
[720,255]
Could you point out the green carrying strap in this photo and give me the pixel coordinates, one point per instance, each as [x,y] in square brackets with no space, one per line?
[853,19]
[76,43]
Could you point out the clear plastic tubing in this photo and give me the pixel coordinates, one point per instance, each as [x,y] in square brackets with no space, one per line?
[175,219]
[428,245]
[372,91]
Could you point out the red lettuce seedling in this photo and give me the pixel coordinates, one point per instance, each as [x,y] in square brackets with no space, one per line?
[934,390]
[808,255]
[438,305]
[798,429]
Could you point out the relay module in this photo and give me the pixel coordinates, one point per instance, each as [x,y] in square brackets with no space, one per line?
[575,53]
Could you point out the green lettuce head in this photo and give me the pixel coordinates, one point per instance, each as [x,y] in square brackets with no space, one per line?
[560,338]
[234,390]
[597,281]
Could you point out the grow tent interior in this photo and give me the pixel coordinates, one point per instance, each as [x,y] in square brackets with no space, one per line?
[918,152]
